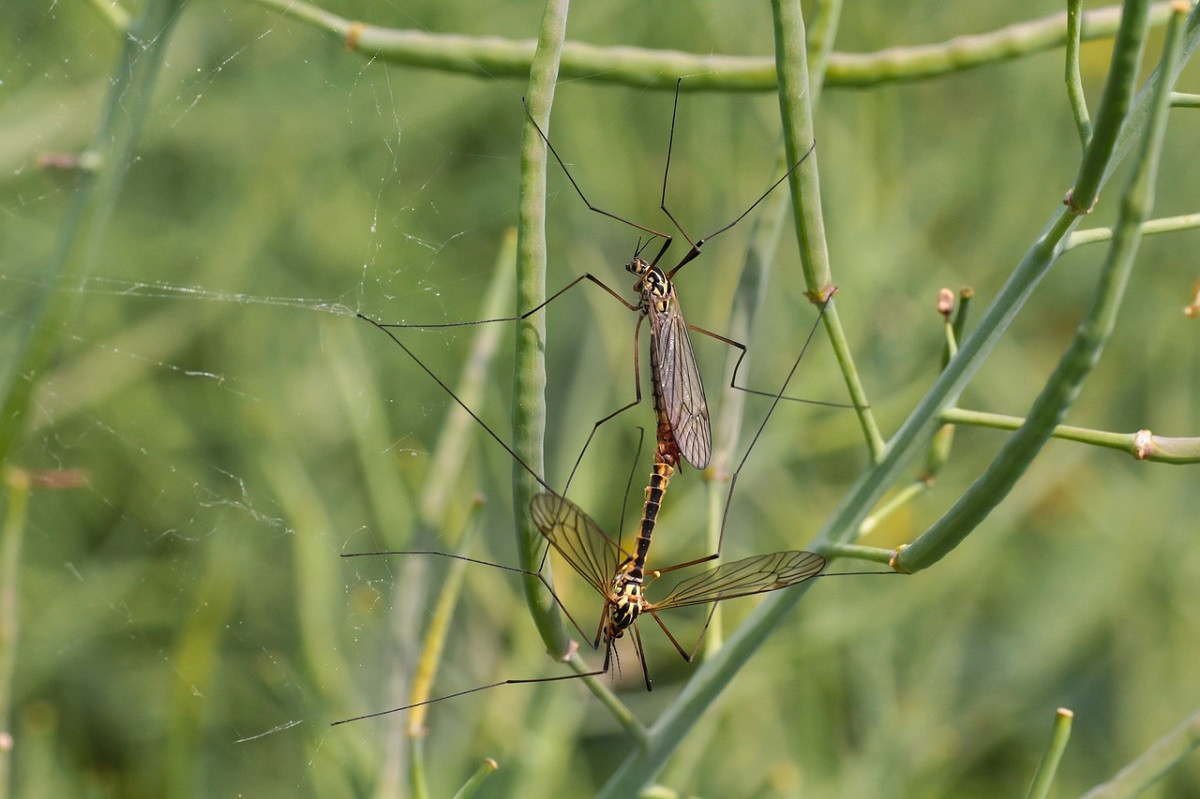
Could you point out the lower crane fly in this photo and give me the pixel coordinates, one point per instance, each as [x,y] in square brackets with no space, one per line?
[621,577]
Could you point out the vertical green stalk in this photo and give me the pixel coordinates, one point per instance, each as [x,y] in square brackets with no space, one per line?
[472,785]
[12,535]
[529,405]
[529,392]
[1044,778]
[795,108]
[1071,66]
[86,222]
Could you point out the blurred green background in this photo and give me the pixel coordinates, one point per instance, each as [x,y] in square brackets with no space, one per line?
[187,627]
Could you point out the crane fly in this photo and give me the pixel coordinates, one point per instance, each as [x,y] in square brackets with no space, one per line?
[619,578]
[594,557]
[674,373]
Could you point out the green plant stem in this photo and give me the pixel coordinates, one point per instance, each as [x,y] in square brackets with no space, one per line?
[620,711]
[472,786]
[943,440]
[1142,445]
[491,57]
[965,295]
[85,223]
[904,447]
[418,780]
[1142,106]
[1044,778]
[12,535]
[1114,105]
[1091,336]
[1074,83]
[1153,764]
[1185,100]
[796,112]
[529,390]
[1167,224]
[886,509]
[748,298]
[873,554]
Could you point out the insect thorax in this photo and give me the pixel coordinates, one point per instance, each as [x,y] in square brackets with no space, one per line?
[625,601]
[652,283]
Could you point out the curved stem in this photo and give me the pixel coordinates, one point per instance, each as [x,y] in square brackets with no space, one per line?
[1092,335]
[494,57]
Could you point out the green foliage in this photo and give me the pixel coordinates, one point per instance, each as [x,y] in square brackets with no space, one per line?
[207,426]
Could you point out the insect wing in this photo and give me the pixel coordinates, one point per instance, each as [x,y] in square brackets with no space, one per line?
[678,385]
[577,538]
[755,575]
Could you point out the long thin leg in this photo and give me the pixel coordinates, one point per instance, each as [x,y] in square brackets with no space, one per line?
[700,242]
[686,655]
[582,196]
[662,201]
[637,388]
[637,385]
[640,651]
[633,470]
[738,365]
[476,689]
[586,276]
[450,392]
[452,556]
[766,418]
[459,402]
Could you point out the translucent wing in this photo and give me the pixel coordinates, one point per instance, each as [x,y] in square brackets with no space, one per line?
[755,575]
[577,538]
[677,383]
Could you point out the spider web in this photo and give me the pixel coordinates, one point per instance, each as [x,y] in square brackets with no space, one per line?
[216,426]
[217,414]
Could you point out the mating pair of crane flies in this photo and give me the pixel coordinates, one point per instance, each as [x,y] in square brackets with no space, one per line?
[618,575]
[682,432]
